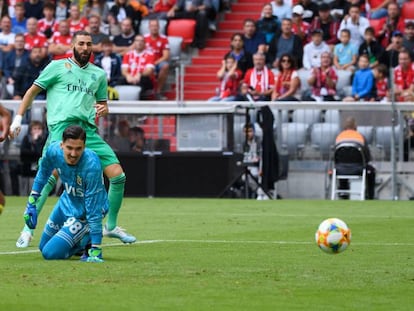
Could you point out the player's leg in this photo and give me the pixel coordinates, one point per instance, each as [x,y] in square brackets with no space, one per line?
[116,176]
[66,241]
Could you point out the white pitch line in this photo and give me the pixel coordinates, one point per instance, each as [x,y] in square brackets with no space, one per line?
[30,251]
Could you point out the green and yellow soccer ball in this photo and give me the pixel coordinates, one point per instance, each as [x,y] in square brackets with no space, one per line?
[333,236]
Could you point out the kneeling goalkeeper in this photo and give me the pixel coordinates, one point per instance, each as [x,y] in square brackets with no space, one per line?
[76,219]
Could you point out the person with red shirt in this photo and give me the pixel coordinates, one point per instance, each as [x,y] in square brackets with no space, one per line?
[391,23]
[286,83]
[404,78]
[33,38]
[76,21]
[381,82]
[299,27]
[48,25]
[60,43]
[258,81]
[229,76]
[138,67]
[161,8]
[377,8]
[158,44]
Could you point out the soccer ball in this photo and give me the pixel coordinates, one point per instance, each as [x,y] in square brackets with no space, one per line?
[333,236]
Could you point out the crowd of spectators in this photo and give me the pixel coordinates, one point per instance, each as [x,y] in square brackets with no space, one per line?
[309,47]
[128,53]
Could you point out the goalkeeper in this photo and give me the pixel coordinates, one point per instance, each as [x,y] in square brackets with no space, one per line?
[76,219]
[76,94]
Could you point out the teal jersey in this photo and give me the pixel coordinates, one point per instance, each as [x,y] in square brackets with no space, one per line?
[72,91]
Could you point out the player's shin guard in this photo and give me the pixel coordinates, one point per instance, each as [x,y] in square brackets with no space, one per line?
[115,196]
[50,185]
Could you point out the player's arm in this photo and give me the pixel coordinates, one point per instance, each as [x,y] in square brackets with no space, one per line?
[27,100]
[5,122]
[102,108]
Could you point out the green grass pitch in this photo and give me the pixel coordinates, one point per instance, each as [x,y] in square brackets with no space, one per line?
[202,254]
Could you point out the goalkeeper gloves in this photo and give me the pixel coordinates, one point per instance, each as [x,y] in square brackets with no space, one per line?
[94,255]
[30,214]
[16,126]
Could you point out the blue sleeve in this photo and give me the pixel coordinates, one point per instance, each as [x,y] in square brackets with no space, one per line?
[366,86]
[96,203]
[355,84]
[47,164]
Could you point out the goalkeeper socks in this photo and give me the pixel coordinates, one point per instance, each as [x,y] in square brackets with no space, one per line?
[51,183]
[115,196]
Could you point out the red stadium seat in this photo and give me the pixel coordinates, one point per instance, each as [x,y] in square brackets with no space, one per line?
[184,28]
[376,24]
[407,10]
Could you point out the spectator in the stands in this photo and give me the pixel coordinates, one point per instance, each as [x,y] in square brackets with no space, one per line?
[60,43]
[62,10]
[299,26]
[125,40]
[371,47]
[310,10]
[356,24]
[363,84]
[76,20]
[390,24]
[34,38]
[19,21]
[120,141]
[287,83]
[381,82]
[30,153]
[313,50]
[327,23]
[161,8]
[48,24]
[159,45]
[121,10]
[254,41]
[110,62]
[404,77]
[268,24]
[244,59]
[282,9]
[137,139]
[258,82]
[345,53]
[323,81]
[7,37]
[25,75]
[286,43]
[17,57]
[33,8]
[201,11]
[390,56]
[377,8]
[96,33]
[408,41]
[138,67]
[230,77]
[96,8]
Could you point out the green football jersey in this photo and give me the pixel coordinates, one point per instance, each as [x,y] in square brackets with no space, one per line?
[72,91]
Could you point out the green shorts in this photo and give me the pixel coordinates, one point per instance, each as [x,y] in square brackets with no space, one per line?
[93,141]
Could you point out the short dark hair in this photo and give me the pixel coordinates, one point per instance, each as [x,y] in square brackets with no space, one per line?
[74,132]
[137,130]
[80,33]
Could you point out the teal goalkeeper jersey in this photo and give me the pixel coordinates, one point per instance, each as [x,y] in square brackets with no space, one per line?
[72,91]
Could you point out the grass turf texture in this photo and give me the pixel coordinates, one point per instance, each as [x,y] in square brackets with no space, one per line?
[221,255]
